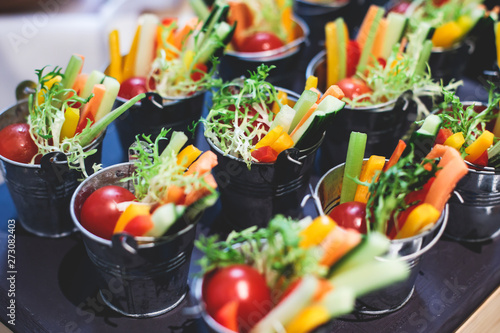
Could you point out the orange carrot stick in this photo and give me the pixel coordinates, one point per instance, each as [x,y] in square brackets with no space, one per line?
[338,242]
[334,91]
[304,118]
[90,109]
[396,154]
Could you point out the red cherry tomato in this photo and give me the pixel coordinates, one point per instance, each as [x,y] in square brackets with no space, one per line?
[350,215]
[16,143]
[132,87]
[353,87]
[401,7]
[240,283]
[100,212]
[261,41]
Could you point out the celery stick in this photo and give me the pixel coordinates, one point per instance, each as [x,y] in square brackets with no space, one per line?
[200,9]
[177,141]
[112,88]
[339,301]
[353,164]
[284,118]
[222,31]
[71,72]
[95,77]
[423,58]
[304,103]
[371,276]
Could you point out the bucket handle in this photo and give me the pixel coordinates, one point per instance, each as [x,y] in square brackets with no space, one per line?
[152,100]
[459,197]
[426,248]
[313,196]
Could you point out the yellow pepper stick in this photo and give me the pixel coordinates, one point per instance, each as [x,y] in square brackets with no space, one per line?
[71,118]
[482,143]
[311,82]
[446,34]
[129,66]
[420,217]
[282,98]
[315,232]
[270,137]
[308,319]
[374,165]
[283,142]
[188,155]
[497,40]
[332,54]
[456,140]
[48,85]
[115,65]
[133,210]
[286,19]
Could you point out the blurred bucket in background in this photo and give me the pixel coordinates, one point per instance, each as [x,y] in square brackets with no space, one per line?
[142,276]
[42,192]
[410,250]
[450,63]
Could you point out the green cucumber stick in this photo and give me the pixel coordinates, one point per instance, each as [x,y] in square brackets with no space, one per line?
[353,165]
[108,100]
[366,52]
[71,72]
[423,58]
[177,141]
[304,103]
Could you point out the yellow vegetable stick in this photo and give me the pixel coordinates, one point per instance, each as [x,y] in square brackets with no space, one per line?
[497,39]
[447,34]
[283,142]
[115,65]
[456,140]
[71,118]
[482,143]
[282,98]
[315,232]
[270,137]
[311,82]
[188,155]
[420,217]
[48,85]
[286,19]
[308,319]
[129,66]
[374,165]
[332,56]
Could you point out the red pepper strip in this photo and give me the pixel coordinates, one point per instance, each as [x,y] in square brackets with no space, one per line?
[265,154]
[482,160]
[443,134]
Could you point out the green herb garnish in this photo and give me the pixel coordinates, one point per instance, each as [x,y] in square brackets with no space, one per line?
[388,194]
[155,172]
[240,113]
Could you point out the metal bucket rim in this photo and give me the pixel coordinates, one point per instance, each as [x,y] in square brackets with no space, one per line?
[456,46]
[443,217]
[166,101]
[380,107]
[90,146]
[282,52]
[302,151]
[332,5]
[143,242]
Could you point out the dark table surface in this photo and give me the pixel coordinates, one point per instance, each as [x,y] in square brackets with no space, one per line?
[56,288]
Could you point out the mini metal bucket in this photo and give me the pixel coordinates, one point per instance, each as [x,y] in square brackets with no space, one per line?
[139,276]
[235,64]
[41,192]
[409,250]
[153,113]
[475,207]
[384,123]
[253,196]
[450,63]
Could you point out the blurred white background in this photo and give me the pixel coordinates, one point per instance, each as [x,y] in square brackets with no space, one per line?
[46,32]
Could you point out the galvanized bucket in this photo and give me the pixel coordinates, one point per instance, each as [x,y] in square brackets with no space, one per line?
[384,123]
[235,64]
[142,276]
[253,196]
[450,63]
[41,192]
[410,250]
[153,113]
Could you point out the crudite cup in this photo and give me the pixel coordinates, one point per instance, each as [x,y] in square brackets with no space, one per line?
[475,207]
[153,113]
[410,250]
[41,192]
[139,276]
[384,123]
[234,64]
